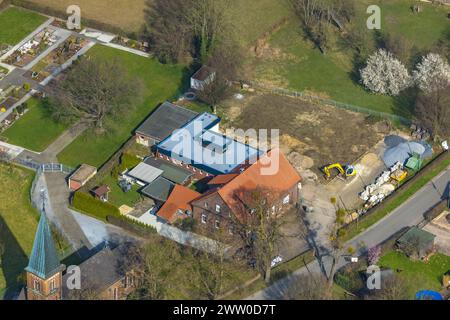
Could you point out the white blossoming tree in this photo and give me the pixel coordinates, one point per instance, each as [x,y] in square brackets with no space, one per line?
[385,74]
[431,73]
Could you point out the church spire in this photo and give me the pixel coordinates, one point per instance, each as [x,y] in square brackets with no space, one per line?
[44,261]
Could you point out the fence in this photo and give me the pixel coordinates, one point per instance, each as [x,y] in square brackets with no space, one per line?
[346,106]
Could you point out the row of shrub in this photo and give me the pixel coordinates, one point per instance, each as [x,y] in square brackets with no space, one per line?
[88,204]
[108,212]
[132,226]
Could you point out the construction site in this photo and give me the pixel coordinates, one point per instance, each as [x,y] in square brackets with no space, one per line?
[347,159]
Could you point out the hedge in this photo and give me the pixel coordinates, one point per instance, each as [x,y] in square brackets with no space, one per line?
[94,207]
[128,161]
[436,210]
[132,226]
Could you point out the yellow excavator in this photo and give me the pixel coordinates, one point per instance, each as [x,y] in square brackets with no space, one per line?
[347,171]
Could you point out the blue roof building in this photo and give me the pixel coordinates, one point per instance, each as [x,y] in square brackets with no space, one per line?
[199,144]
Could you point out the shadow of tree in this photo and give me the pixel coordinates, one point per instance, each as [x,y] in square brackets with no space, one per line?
[13,261]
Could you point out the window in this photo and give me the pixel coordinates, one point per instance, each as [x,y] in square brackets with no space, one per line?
[52,285]
[230,230]
[274,209]
[218,208]
[204,218]
[116,294]
[217,224]
[206,205]
[36,285]
[180,212]
[286,199]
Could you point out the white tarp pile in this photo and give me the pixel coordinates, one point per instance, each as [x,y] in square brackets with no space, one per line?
[378,191]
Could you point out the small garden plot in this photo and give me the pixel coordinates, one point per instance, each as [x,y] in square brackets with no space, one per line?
[16,24]
[32,48]
[11,95]
[35,130]
[130,43]
[69,48]
[3,72]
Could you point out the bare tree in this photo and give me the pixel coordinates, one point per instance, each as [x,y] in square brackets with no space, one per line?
[308,287]
[179,28]
[92,90]
[257,222]
[168,29]
[433,110]
[392,288]
[152,264]
[337,249]
[227,65]
[209,22]
[216,265]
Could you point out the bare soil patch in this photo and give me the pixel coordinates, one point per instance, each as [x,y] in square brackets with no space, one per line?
[322,134]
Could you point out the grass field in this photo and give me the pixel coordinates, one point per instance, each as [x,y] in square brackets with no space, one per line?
[16,24]
[161,82]
[418,275]
[36,130]
[18,222]
[292,62]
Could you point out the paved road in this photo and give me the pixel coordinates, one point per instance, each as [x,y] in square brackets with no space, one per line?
[409,213]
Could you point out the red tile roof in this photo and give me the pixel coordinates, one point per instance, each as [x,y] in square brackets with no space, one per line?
[222,179]
[179,199]
[102,190]
[259,175]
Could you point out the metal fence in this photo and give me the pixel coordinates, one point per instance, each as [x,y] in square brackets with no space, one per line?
[44,167]
[337,104]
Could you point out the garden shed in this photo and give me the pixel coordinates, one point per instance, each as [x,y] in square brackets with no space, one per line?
[416,243]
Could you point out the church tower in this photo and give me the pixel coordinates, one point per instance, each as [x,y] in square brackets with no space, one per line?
[44,271]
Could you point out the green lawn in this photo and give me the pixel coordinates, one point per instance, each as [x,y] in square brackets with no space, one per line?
[423,29]
[117,197]
[162,82]
[418,275]
[295,64]
[36,130]
[252,18]
[18,222]
[16,24]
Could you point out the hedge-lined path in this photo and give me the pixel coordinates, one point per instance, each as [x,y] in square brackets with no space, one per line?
[81,231]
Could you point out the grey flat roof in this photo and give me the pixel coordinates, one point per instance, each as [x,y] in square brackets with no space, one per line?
[145,173]
[159,189]
[164,120]
[170,171]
